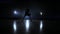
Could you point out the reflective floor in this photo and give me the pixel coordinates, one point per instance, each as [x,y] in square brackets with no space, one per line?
[27,27]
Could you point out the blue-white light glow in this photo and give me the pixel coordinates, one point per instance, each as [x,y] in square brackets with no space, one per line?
[15,12]
[27,24]
[14,25]
[41,25]
[41,13]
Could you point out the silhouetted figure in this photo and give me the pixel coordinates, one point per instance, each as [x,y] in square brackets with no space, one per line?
[27,12]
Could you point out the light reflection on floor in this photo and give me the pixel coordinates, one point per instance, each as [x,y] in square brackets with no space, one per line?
[15,27]
[41,25]
[28,26]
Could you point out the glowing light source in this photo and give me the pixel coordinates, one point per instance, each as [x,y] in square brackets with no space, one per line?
[41,25]
[14,25]
[41,13]
[27,24]
[15,12]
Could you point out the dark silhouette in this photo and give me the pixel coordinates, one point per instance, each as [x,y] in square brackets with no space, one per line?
[27,12]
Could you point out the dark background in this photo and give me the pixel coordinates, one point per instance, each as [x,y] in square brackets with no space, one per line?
[50,9]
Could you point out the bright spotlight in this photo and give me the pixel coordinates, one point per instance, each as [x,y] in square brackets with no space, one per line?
[27,24]
[15,12]
[14,25]
[41,13]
